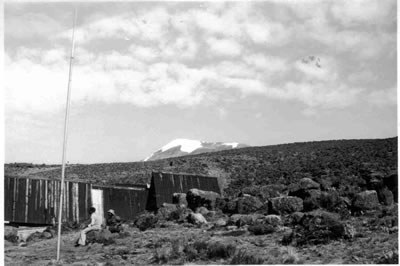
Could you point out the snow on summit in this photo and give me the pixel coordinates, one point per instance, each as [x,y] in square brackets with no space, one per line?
[233,144]
[181,147]
[187,145]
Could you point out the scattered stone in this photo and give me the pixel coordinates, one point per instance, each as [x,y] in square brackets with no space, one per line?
[198,198]
[47,235]
[296,217]
[202,210]
[248,204]
[164,213]
[146,221]
[286,204]
[231,227]
[366,200]
[245,219]
[103,236]
[179,199]
[313,200]
[385,196]
[262,229]
[273,220]
[11,234]
[319,227]
[271,191]
[221,222]
[197,218]
[303,187]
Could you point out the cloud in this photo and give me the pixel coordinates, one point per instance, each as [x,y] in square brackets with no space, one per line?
[322,95]
[204,54]
[267,64]
[30,25]
[224,47]
[385,97]
[268,33]
[363,11]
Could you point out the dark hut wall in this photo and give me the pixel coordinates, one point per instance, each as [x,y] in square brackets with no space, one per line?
[164,185]
[126,202]
[36,201]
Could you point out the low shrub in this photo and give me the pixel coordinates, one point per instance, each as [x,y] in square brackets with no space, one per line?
[219,250]
[261,229]
[391,257]
[146,221]
[244,257]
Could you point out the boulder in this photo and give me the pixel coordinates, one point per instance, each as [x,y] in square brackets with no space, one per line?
[246,219]
[197,218]
[296,217]
[103,236]
[385,196]
[262,229]
[271,191]
[319,227]
[366,200]
[273,220]
[47,235]
[146,221]
[391,182]
[180,214]
[285,205]
[179,199]
[11,234]
[164,213]
[303,187]
[202,210]
[248,204]
[221,222]
[313,201]
[198,198]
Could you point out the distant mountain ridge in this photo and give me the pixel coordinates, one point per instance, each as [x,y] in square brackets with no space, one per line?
[181,147]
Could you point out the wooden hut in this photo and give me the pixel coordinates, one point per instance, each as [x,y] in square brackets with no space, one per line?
[164,185]
[35,201]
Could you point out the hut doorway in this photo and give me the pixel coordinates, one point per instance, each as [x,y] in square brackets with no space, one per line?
[97,202]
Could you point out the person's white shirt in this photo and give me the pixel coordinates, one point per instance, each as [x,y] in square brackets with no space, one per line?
[95,220]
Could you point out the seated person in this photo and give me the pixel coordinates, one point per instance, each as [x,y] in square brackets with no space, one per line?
[95,224]
[113,222]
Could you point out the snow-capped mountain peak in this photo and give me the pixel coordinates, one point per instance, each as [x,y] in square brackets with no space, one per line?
[187,145]
[181,147]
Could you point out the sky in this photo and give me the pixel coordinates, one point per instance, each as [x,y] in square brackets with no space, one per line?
[146,73]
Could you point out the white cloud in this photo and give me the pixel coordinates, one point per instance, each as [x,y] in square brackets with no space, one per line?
[224,47]
[385,97]
[322,95]
[363,11]
[234,69]
[143,53]
[266,63]
[30,25]
[266,32]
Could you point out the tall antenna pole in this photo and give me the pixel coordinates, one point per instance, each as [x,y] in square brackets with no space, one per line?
[65,138]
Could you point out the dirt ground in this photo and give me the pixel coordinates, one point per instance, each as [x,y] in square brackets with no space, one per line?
[148,247]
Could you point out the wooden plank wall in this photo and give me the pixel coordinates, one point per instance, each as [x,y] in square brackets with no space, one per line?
[166,184]
[36,201]
[126,202]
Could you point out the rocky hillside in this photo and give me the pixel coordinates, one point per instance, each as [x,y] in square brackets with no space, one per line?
[345,164]
[329,202]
